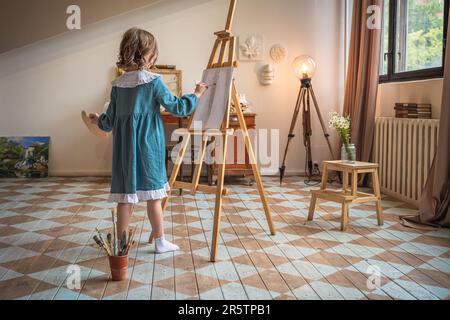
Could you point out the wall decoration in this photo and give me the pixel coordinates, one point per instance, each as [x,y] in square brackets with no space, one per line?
[24,157]
[267,75]
[251,48]
[278,53]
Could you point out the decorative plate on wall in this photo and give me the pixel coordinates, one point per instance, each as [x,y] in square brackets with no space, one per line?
[278,53]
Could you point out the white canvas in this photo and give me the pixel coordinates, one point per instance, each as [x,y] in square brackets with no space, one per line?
[213,104]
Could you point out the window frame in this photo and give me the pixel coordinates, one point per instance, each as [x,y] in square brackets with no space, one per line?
[423,74]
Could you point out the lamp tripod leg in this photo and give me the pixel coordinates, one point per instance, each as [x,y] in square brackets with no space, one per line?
[307,133]
[291,131]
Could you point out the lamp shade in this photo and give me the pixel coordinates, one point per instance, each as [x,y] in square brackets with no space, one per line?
[304,67]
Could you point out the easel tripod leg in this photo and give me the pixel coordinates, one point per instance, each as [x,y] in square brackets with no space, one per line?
[219,201]
[198,165]
[252,158]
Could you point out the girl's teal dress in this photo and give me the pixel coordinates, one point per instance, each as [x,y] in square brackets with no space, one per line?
[134,116]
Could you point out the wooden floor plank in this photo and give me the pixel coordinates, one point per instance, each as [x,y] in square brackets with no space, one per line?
[225,271]
[62,278]
[163,287]
[418,292]
[317,292]
[397,289]
[274,281]
[257,289]
[303,261]
[341,277]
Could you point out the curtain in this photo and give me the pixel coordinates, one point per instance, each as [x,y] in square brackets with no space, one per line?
[362,77]
[434,209]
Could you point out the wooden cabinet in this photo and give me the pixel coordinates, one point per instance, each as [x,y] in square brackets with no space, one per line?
[237,165]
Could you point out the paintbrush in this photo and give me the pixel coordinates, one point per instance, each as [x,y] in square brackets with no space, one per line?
[130,241]
[109,240]
[207,84]
[113,216]
[103,241]
[100,237]
[123,243]
[100,243]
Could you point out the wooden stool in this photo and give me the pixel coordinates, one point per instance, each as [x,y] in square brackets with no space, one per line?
[346,196]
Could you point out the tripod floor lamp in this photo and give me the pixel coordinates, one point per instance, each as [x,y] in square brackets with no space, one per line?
[305,68]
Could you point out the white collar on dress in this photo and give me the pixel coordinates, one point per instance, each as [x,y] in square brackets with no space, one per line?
[133,79]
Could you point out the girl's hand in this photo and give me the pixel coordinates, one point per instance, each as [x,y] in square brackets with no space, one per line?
[93,117]
[200,89]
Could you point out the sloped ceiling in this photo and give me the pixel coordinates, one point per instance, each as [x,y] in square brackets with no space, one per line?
[24,22]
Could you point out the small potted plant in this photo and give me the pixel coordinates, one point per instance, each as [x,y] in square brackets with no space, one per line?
[342,125]
[117,249]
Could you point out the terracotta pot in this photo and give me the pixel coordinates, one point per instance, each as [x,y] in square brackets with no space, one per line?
[119,267]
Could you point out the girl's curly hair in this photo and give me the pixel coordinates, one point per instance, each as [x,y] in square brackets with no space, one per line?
[135,45]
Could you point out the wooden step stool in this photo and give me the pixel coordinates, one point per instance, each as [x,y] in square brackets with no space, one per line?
[347,197]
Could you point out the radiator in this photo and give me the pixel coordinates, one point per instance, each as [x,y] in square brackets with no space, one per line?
[405,150]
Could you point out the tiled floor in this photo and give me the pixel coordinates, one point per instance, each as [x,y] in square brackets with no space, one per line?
[46,229]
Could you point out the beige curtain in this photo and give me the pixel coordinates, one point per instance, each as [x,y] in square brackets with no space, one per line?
[435,202]
[362,78]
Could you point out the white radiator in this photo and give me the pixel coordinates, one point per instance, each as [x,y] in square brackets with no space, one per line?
[405,149]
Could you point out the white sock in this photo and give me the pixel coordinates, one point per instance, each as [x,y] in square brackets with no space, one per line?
[164,246]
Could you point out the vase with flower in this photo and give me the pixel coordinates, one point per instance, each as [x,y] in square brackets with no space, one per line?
[342,125]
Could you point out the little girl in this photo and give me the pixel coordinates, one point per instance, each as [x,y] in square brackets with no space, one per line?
[139,171]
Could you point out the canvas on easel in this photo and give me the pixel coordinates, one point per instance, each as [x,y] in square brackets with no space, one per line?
[214,113]
[213,105]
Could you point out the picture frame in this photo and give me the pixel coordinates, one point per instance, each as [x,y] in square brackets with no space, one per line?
[24,157]
[173,78]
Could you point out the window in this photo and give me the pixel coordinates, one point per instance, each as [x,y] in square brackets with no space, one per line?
[413,44]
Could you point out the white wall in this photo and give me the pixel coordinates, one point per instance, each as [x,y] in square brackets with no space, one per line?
[427,91]
[43,87]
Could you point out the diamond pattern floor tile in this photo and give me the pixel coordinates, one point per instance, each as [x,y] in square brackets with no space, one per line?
[46,225]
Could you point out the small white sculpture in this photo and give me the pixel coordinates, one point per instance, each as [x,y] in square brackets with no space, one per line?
[278,53]
[243,100]
[251,48]
[267,75]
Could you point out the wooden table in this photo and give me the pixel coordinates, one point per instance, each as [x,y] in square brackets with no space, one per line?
[348,196]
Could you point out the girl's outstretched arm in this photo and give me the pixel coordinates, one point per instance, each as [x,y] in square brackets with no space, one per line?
[106,120]
[181,107]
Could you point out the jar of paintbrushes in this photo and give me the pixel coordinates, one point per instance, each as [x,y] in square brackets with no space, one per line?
[117,248]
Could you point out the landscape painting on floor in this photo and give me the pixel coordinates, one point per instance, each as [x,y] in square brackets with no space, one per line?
[24,157]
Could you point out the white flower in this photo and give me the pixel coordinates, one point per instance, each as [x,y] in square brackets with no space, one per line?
[339,122]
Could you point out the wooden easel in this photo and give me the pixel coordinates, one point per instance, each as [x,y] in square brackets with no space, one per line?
[224,46]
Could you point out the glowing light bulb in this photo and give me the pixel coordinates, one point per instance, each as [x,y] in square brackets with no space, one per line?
[304,67]
[305,71]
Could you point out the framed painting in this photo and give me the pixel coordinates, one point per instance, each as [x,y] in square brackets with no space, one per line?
[172,78]
[24,157]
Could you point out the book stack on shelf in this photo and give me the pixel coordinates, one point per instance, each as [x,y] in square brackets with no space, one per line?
[413,111]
